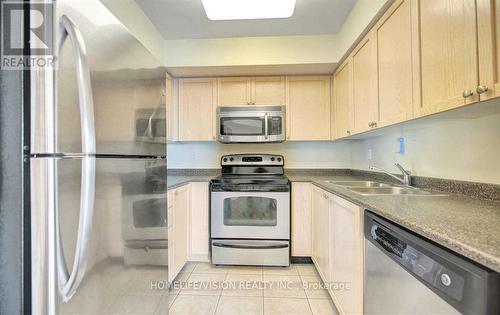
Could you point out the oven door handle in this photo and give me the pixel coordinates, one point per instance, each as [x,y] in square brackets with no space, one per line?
[216,244]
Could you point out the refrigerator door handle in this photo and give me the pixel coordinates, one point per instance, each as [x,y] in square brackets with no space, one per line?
[69,282]
[67,28]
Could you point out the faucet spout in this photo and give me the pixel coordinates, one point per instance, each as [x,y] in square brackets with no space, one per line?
[406,174]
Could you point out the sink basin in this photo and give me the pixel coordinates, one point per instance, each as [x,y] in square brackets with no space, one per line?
[391,191]
[358,183]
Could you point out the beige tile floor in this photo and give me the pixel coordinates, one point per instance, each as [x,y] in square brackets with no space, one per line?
[202,288]
[112,288]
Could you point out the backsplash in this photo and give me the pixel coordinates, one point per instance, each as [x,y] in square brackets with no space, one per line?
[446,146]
[189,155]
[457,145]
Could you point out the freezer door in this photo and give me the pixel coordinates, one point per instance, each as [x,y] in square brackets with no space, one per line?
[126,89]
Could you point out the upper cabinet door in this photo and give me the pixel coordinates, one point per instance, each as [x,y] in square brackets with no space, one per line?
[268,91]
[197,99]
[448,48]
[308,108]
[488,20]
[395,75]
[171,118]
[365,100]
[234,91]
[342,100]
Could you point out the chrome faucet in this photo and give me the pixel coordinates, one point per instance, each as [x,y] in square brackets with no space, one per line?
[406,174]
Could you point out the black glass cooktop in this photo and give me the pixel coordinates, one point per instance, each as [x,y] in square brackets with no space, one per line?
[250,183]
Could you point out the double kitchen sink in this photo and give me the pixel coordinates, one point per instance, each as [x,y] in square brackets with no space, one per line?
[369,188]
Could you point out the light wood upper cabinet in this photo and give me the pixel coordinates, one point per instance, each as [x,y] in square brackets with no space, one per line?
[342,100]
[268,90]
[197,99]
[251,91]
[395,75]
[488,20]
[301,219]
[308,107]
[346,223]
[364,76]
[234,91]
[179,236]
[171,118]
[448,54]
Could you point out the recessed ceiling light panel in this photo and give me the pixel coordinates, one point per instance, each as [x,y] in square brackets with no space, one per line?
[248,9]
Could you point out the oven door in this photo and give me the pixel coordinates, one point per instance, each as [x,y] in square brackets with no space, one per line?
[251,215]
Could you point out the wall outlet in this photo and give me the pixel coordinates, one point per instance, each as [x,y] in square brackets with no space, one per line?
[370,154]
[194,156]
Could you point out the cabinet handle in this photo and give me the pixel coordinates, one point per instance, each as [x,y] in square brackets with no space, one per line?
[374,125]
[467,93]
[348,132]
[482,89]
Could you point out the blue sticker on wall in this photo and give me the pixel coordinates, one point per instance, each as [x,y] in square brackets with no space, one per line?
[401,146]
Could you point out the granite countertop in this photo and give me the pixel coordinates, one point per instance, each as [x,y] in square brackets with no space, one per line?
[466,225]
[177,181]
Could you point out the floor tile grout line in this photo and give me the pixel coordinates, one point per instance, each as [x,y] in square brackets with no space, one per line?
[220,295]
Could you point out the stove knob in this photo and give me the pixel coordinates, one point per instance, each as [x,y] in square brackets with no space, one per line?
[272,159]
[225,160]
[231,159]
[279,159]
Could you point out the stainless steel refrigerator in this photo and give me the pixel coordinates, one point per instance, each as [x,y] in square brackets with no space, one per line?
[98,169]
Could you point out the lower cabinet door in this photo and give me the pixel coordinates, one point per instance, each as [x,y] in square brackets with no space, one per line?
[321,232]
[301,219]
[178,238]
[347,256]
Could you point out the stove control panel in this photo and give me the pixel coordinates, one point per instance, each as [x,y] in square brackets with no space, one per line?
[252,159]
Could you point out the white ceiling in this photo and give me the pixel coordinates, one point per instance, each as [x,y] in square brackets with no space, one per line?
[186,19]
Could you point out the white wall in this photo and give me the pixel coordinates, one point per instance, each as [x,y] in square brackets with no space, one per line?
[263,50]
[297,154]
[452,148]
[136,21]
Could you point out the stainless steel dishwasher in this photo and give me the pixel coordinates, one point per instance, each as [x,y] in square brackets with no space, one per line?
[406,274]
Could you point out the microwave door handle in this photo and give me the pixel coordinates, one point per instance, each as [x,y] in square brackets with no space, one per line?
[69,281]
[266,123]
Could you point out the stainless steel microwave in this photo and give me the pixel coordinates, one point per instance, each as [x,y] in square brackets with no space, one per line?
[151,125]
[247,124]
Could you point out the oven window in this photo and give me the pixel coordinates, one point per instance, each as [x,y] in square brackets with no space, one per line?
[250,211]
[150,213]
[242,126]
